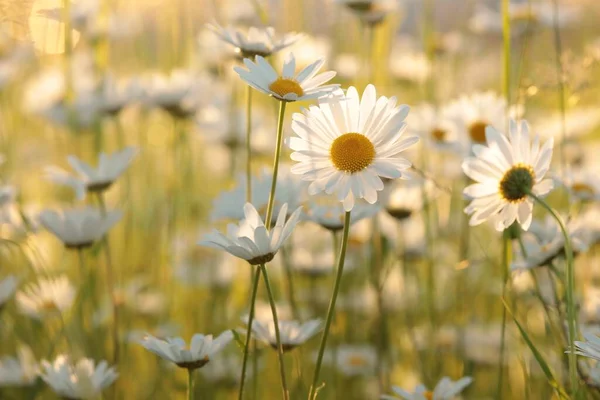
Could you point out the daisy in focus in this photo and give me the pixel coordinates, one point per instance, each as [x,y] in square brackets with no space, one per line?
[289,86]
[250,240]
[506,171]
[446,389]
[346,144]
[202,348]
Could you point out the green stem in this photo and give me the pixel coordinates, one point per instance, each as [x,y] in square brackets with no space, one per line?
[336,288]
[506,51]
[290,282]
[570,293]
[505,267]
[561,83]
[248,144]
[190,385]
[286,394]
[282,105]
[255,282]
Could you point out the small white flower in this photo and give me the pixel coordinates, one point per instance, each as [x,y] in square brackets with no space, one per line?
[250,240]
[288,86]
[292,333]
[446,389]
[410,66]
[20,371]
[371,11]
[590,348]
[83,380]
[254,42]
[47,297]
[331,215]
[403,200]
[8,286]
[99,179]
[118,94]
[435,127]
[582,184]
[505,171]
[79,228]
[356,360]
[202,349]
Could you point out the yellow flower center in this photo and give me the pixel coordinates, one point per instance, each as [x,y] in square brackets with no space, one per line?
[582,189]
[516,183]
[357,361]
[352,152]
[48,306]
[283,86]
[428,395]
[439,135]
[477,131]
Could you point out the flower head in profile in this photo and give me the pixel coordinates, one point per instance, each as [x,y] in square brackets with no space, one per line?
[401,201]
[330,215]
[346,144]
[19,371]
[202,348]
[90,179]
[82,380]
[250,240]
[256,41]
[292,333]
[79,228]
[506,171]
[582,184]
[289,86]
[370,11]
[8,286]
[47,297]
[446,389]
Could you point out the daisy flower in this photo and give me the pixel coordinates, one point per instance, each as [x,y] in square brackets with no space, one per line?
[356,360]
[250,240]
[202,348]
[345,145]
[331,215]
[403,200]
[288,86]
[370,11]
[91,179]
[590,348]
[48,297]
[19,371]
[582,184]
[79,228]
[82,380]
[8,286]
[506,171]
[446,389]
[292,333]
[432,125]
[256,41]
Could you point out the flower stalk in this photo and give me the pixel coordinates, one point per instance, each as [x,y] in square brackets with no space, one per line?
[255,282]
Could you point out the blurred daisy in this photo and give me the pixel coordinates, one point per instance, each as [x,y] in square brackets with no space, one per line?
[250,240]
[410,66]
[355,360]
[82,380]
[288,86]
[225,370]
[90,179]
[19,371]
[219,273]
[433,126]
[505,171]
[256,42]
[47,297]
[346,145]
[292,333]
[202,349]
[116,94]
[79,228]
[290,191]
[370,11]
[446,389]
[582,184]
[331,216]
[8,286]
[13,56]
[403,200]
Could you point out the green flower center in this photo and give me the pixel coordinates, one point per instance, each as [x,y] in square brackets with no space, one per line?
[516,183]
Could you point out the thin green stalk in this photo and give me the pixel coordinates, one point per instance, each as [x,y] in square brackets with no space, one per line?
[560,73]
[506,249]
[286,393]
[336,288]
[290,282]
[248,144]
[190,385]
[282,105]
[506,51]
[255,282]
[570,294]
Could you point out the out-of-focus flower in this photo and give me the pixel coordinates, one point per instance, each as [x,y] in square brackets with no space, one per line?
[12,57]
[347,144]
[90,179]
[330,215]
[289,86]
[347,65]
[79,228]
[82,380]
[411,66]
[202,349]
[371,11]
[583,184]
[356,360]
[251,240]
[402,200]
[19,371]
[8,286]
[219,273]
[446,389]
[292,333]
[225,370]
[118,93]
[506,171]
[256,41]
[46,298]
[435,127]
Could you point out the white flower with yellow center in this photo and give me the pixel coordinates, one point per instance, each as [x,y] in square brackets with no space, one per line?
[356,360]
[292,333]
[202,348]
[48,297]
[506,171]
[289,86]
[250,240]
[19,371]
[256,41]
[582,184]
[347,144]
[82,380]
[446,389]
